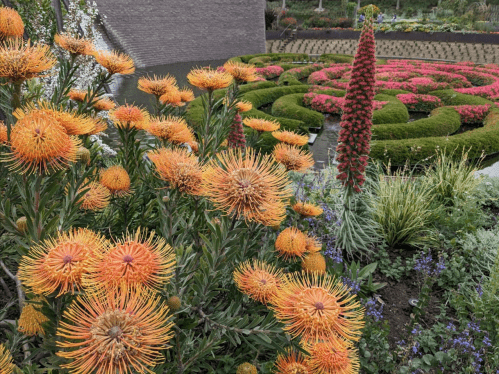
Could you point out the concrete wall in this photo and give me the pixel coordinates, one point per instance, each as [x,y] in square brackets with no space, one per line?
[156,32]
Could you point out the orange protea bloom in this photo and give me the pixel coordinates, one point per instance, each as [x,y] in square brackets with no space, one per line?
[258,280]
[75,46]
[243,106]
[40,144]
[3,133]
[173,129]
[117,180]
[100,125]
[19,62]
[313,245]
[104,103]
[292,362]
[74,123]
[209,79]
[249,186]
[115,62]
[58,264]
[114,333]
[180,168]
[240,71]
[77,95]
[317,307]
[6,365]
[290,137]
[11,23]
[261,125]
[327,357]
[96,198]
[307,210]
[293,158]
[172,97]
[186,95]
[128,116]
[157,86]
[314,263]
[31,319]
[137,261]
[291,242]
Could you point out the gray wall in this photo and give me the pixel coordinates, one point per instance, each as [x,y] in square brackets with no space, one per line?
[156,32]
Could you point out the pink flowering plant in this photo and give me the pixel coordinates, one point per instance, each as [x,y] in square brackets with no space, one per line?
[269,72]
[472,114]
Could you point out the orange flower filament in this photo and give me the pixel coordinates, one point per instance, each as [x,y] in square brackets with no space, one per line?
[328,358]
[6,365]
[31,319]
[128,116]
[11,23]
[209,79]
[292,362]
[157,86]
[173,129]
[115,62]
[240,71]
[291,242]
[117,180]
[258,280]
[96,198]
[261,125]
[104,104]
[293,158]
[186,95]
[75,46]
[290,137]
[307,210]
[3,133]
[77,95]
[243,106]
[172,97]
[314,263]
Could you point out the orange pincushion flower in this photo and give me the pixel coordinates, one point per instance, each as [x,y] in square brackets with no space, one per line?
[332,358]
[117,180]
[19,62]
[293,158]
[314,263]
[173,129]
[290,137]
[31,319]
[240,71]
[77,95]
[180,168]
[317,308]
[115,333]
[313,245]
[58,264]
[11,23]
[40,144]
[291,242]
[75,46]
[258,280]
[157,86]
[3,133]
[209,79]
[249,186]
[128,116]
[96,198]
[6,365]
[261,125]
[172,97]
[103,104]
[307,210]
[134,262]
[243,106]
[186,95]
[292,362]
[100,125]
[115,62]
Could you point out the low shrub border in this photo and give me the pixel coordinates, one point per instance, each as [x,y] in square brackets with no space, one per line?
[291,106]
[393,112]
[451,97]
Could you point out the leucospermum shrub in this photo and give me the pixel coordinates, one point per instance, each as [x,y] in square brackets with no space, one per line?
[165,256]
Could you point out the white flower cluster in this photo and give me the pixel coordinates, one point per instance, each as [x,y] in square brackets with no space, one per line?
[104,149]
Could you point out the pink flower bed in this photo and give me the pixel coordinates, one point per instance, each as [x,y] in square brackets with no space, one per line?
[472,114]
[420,103]
[270,72]
[331,104]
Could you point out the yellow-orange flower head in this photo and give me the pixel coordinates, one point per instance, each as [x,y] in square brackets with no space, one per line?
[11,23]
[20,62]
[261,125]
[307,210]
[290,137]
[114,333]
[117,180]
[291,242]
[327,357]
[100,125]
[83,155]
[241,72]
[315,308]
[314,263]
[58,264]
[77,95]
[292,362]
[75,46]
[173,129]
[40,144]
[249,186]
[157,86]
[104,104]
[136,261]
[258,280]
[186,94]
[128,116]
[313,245]
[31,319]
[180,168]
[96,198]
[115,62]
[243,106]
[6,365]
[293,158]
[172,97]
[246,368]
[209,79]
[3,133]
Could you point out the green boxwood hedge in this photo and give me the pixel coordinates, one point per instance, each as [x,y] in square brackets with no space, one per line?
[337,58]
[451,97]
[291,106]
[393,112]
[273,57]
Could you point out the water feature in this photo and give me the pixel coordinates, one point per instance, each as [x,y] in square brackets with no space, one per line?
[325,144]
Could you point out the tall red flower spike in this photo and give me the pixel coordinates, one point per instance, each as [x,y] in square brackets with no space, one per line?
[356,121]
[236,137]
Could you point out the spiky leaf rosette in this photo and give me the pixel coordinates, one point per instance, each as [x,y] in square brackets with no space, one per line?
[356,121]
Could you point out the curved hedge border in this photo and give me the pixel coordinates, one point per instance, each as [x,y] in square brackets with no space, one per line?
[393,112]
[451,97]
[291,106]
[273,57]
